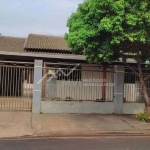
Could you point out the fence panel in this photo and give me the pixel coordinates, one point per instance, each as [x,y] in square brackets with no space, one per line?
[133,88]
[16,86]
[77,83]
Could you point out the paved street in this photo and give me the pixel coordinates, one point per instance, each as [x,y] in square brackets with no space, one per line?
[99,143]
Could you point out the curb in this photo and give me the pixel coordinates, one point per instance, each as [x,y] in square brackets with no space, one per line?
[81,135]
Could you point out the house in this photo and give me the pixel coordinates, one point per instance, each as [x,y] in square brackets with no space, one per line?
[40,73]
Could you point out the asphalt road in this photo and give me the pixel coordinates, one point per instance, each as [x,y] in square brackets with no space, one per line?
[96,143]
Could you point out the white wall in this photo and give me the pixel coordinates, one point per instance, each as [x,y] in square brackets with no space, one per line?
[89,107]
[77,107]
[133,108]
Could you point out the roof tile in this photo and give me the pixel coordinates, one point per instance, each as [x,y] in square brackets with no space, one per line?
[45,42]
[35,44]
[12,44]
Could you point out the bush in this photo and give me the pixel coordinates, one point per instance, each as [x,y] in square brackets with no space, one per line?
[144,117]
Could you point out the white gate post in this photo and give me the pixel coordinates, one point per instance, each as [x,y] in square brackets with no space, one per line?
[37,87]
[118,89]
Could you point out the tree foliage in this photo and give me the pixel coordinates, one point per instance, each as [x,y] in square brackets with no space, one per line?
[99,29]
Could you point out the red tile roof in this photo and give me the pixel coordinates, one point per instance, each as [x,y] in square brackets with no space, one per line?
[36,44]
[44,42]
[12,44]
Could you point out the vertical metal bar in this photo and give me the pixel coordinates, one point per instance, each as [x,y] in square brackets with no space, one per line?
[27,105]
[15,85]
[108,90]
[112,75]
[11,87]
[124,97]
[68,82]
[32,90]
[75,87]
[20,100]
[131,85]
[99,86]
[5,88]
[8,81]
[16,80]
[11,81]
[0,86]
[87,86]
[8,88]
[82,85]
[48,85]
[44,80]
[77,84]
[64,91]
[92,85]
[127,88]
[126,85]
[135,93]
[2,81]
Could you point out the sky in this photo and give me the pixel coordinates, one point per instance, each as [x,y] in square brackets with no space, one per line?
[19,18]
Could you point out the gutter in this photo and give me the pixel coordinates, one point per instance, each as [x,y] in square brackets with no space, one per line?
[71,57]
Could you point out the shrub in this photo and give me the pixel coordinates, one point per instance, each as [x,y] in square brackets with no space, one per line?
[144,117]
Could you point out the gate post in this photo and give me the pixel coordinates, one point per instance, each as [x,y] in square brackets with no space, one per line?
[118,89]
[37,87]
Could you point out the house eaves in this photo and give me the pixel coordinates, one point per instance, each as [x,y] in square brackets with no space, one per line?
[59,56]
[56,56]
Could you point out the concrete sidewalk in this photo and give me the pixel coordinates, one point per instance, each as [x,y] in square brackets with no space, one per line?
[14,124]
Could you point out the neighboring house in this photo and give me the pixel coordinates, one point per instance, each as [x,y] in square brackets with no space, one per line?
[66,77]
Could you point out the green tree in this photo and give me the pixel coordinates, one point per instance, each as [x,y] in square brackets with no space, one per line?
[106,30]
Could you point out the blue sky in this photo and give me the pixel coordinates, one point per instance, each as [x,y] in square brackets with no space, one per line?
[20,17]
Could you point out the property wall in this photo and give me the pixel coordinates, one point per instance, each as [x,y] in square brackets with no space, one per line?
[133,108]
[88,107]
[77,107]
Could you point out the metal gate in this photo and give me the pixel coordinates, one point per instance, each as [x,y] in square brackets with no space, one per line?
[132,86]
[16,85]
[75,82]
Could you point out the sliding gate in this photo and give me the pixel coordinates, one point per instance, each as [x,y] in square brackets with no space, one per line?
[16,85]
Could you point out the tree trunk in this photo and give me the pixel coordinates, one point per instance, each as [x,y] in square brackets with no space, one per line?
[144,89]
[146,97]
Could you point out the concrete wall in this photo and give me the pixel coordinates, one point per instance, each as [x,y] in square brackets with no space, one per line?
[77,107]
[88,107]
[133,108]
